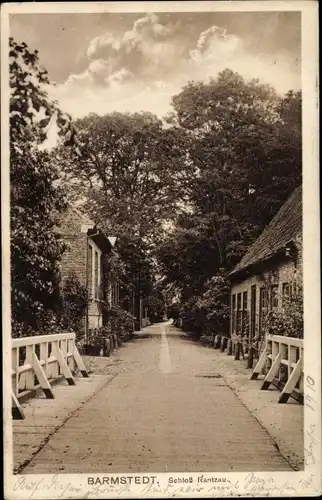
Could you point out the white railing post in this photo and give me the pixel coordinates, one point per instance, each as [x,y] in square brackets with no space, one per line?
[30,377]
[260,365]
[55,365]
[15,367]
[44,355]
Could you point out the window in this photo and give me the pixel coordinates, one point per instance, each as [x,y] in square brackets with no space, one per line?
[245,314]
[239,314]
[239,302]
[96,254]
[274,296]
[286,292]
[245,301]
[264,299]
[263,306]
[286,289]
[233,314]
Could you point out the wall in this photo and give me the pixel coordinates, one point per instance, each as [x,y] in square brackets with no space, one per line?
[76,259]
[284,273]
[74,235]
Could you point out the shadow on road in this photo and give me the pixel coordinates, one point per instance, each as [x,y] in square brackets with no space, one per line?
[138,336]
[190,337]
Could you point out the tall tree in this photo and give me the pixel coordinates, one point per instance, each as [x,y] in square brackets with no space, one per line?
[35,202]
[246,148]
[131,175]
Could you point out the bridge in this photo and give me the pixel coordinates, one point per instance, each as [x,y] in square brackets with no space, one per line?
[161,402]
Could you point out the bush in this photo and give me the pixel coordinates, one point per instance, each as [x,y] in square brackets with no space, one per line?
[96,335]
[208,313]
[287,320]
[121,321]
[73,305]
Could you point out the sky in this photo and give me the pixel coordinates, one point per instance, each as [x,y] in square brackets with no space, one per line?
[135,62]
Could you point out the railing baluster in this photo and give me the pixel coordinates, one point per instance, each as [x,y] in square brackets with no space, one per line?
[44,356]
[30,375]
[55,364]
[15,368]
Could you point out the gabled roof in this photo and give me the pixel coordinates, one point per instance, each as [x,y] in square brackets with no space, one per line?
[284,228]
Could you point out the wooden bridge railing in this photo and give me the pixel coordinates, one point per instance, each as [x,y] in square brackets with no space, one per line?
[38,361]
[282,363]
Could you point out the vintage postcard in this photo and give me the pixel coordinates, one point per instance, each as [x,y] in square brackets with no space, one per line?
[160,242]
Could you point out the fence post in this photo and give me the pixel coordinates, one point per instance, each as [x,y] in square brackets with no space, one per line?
[55,364]
[272,372]
[41,376]
[217,341]
[237,350]
[250,358]
[259,365]
[291,383]
[223,344]
[16,409]
[64,368]
[29,377]
[15,367]
[79,362]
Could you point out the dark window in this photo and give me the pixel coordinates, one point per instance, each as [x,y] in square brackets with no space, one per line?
[239,314]
[233,314]
[245,314]
[245,301]
[239,301]
[263,306]
[286,289]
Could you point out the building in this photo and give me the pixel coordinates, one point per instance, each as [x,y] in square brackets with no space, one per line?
[266,272]
[86,257]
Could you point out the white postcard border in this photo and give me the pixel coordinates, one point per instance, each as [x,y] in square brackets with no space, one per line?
[302,483]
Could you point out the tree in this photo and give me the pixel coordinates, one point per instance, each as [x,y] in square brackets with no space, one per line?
[245,147]
[35,201]
[74,301]
[131,171]
[132,174]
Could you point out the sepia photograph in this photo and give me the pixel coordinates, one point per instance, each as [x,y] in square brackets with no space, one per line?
[160,250]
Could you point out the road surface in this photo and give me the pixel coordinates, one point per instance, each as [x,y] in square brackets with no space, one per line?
[162,408]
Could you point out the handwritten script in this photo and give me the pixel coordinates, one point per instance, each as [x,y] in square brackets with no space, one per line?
[251,485]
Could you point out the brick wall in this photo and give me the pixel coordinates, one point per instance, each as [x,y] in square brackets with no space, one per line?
[77,259]
[74,235]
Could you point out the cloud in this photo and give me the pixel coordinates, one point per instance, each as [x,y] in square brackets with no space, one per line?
[140,69]
[215,44]
[144,50]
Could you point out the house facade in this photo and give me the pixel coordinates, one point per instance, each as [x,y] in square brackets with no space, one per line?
[267,272]
[86,257]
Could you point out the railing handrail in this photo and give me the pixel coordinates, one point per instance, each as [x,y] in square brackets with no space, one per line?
[40,339]
[281,339]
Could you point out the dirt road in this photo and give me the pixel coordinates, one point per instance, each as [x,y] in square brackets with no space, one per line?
[164,407]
